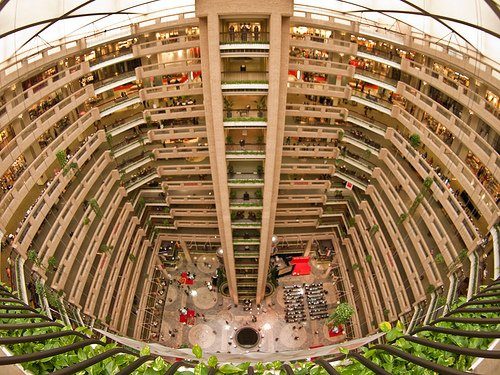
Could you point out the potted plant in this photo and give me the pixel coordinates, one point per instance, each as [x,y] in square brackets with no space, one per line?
[260,170]
[260,139]
[258,194]
[261,106]
[415,140]
[230,170]
[228,107]
[341,315]
[229,140]
[340,135]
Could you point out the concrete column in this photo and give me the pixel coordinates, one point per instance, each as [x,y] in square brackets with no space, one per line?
[308,247]
[44,301]
[496,252]
[185,250]
[450,297]
[416,312]
[79,317]
[21,287]
[430,308]
[212,93]
[474,266]
[276,104]
[64,313]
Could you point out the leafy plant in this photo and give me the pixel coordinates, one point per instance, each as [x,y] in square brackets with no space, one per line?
[61,158]
[105,249]
[340,135]
[351,222]
[439,258]
[33,257]
[374,229]
[258,194]
[229,140]
[428,183]
[402,218]
[94,205]
[86,221]
[228,107]
[368,258]
[260,170]
[415,140]
[431,288]
[356,267]
[341,315]
[52,263]
[260,139]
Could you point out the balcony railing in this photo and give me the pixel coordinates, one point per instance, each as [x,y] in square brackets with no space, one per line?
[235,77]
[387,55]
[250,37]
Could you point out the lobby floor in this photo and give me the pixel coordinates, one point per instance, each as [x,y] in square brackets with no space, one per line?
[215,328]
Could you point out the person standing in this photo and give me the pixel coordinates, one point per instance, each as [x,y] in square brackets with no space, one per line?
[256,33]
[231,33]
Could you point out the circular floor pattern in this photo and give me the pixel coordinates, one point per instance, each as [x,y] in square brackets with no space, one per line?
[204,300]
[203,335]
[280,296]
[247,337]
[204,264]
[288,334]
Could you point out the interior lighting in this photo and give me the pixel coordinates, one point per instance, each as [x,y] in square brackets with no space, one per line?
[266,326]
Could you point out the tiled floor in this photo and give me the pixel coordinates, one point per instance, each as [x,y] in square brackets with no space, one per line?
[212,332]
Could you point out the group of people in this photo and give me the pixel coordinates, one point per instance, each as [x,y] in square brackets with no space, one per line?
[316,301]
[294,302]
[245,32]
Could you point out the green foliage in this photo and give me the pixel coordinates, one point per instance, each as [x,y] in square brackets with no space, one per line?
[341,315]
[340,135]
[105,249]
[356,267]
[428,183]
[132,257]
[260,170]
[462,254]
[243,119]
[61,158]
[431,288]
[402,218]
[415,140]
[198,353]
[439,258]
[52,263]
[232,194]
[67,168]
[351,222]
[94,205]
[374,229]
[229,140]
[258,194]
[260,139]
[33,257]
[368,258]
[86,221]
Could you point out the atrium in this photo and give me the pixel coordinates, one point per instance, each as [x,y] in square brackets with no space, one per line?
[249,187]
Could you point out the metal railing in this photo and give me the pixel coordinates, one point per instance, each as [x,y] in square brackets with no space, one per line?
[250,37]
[14,311]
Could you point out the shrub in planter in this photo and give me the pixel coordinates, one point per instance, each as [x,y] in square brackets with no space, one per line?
[415,140]
[341,315]
[439,258]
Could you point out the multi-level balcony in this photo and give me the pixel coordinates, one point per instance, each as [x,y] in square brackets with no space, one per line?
[166,91]
[113,82]
[182,42]
[389,58]
[247,153]
[476,191]
[233,44]
[33,131]
[167,68]
[247,82]
[245,118]
[181,151]
[474,102]
[322,43]
[321,66]
[22,102]
[309,113]
[372,101]
[377,79]
[111,106]
[319,89]
[460,129]
[175,112]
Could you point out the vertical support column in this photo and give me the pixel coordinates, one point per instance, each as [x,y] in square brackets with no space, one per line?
[279,42]
[21,287]
[413,321]
[44,301]
[474,268]
[308,247]
[79,317]
[185,250]
[212,94]
[496,252]
[64,313]
[430,308]
[450,297]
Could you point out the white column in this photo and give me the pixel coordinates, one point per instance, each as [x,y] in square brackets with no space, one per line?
[496,252]
[20,276]
[64,313]
[430,308]
[45,303]
[451,293]
[185,250]
[79,317]
[416,311]
[471,289]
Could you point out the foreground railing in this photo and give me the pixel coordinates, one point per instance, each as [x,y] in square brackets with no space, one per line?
[457,340]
